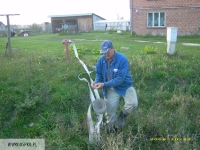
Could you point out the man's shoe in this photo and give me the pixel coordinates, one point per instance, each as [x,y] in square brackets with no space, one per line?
[121,119]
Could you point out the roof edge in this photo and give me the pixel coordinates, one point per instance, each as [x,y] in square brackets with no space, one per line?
[73,15]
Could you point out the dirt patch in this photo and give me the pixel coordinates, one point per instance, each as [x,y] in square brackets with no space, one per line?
[141,41]
[191,44]
[160,42]
[85,40]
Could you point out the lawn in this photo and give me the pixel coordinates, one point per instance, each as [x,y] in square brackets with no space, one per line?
[39,86]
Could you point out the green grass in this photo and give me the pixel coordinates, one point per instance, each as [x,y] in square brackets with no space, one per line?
[38,84]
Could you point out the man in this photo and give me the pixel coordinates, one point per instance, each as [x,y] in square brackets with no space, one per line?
[113,76]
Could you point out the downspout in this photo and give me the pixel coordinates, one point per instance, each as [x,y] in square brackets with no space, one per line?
[52,25]
[92,21]
[131,17]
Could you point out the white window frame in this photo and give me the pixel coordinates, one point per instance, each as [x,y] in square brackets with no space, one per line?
[153,20]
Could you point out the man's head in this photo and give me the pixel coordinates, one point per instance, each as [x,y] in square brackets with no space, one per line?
[107,49]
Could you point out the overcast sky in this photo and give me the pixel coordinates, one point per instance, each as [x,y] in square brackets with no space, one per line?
[37,11]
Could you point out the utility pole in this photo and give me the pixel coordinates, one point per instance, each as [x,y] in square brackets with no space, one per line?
[131,15]
[8,33]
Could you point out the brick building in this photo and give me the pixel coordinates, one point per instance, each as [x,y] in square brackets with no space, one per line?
[154,16]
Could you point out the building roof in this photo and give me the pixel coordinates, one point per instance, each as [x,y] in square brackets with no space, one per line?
[73,15]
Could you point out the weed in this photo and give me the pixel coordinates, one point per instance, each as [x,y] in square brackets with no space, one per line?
[149,50]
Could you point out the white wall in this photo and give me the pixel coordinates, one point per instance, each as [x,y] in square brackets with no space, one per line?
[112,24]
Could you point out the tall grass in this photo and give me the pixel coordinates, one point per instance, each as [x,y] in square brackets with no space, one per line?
[38,85]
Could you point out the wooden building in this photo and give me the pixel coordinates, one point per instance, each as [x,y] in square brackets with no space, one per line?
[74,22]
[154,16]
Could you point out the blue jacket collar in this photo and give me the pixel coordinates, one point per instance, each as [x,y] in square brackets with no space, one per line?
[114,58]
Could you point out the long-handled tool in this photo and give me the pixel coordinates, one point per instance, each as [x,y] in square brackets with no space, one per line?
[99,105]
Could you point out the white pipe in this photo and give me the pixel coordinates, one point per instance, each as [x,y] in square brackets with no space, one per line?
[94,130]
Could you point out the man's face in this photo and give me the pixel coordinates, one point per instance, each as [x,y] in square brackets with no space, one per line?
[110,54]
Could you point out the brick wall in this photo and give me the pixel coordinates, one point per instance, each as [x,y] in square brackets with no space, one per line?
[183,14]
[161,3]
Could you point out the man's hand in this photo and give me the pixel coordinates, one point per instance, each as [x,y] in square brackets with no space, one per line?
[93,85]
[97,85]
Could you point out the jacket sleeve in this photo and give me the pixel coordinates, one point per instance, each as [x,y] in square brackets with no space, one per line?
[120,76]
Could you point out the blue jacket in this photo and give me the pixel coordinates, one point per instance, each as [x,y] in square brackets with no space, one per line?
[120,76]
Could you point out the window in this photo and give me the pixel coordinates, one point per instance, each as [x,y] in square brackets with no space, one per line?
[156,19]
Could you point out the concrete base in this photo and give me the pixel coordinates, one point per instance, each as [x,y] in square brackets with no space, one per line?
[171,47]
